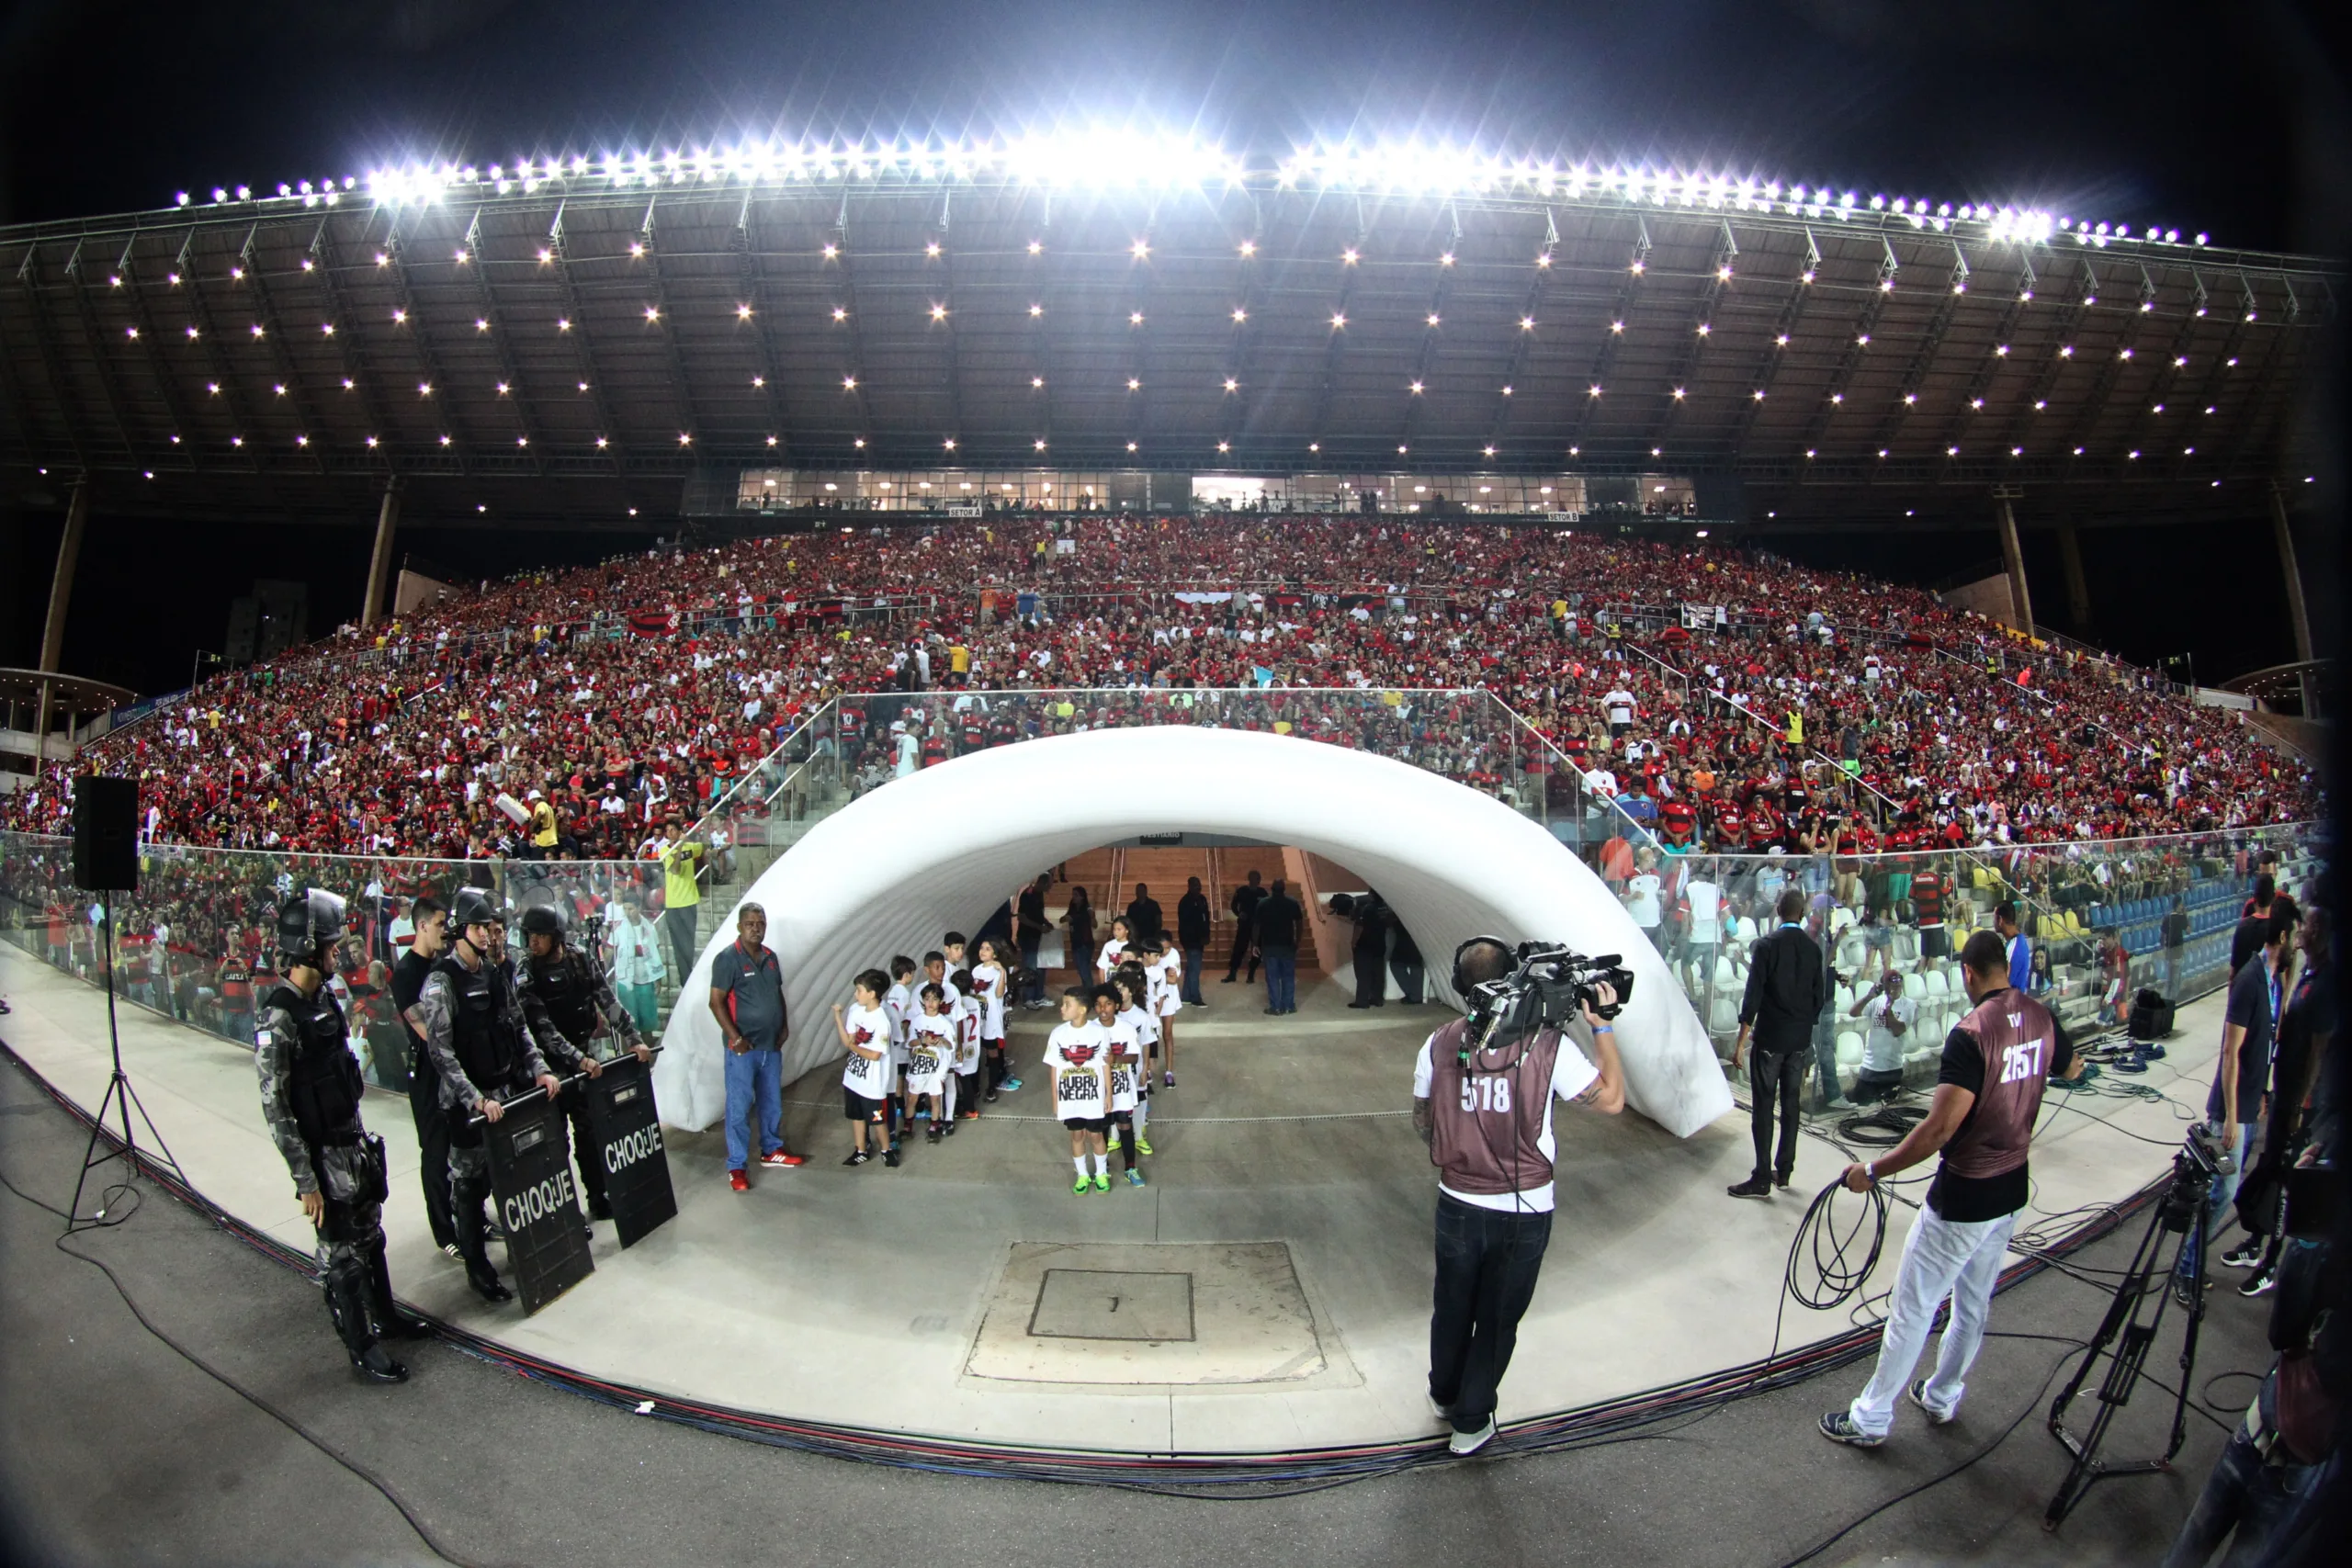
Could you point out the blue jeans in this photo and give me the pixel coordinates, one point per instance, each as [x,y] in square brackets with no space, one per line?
[1824,1060]
[1191,992]
[2225,1193]
[2244,1492]
[1034,988]
[1282,980]
[1486,1263]
[754,1083]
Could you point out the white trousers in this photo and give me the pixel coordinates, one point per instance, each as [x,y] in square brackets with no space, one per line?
[1939,1260]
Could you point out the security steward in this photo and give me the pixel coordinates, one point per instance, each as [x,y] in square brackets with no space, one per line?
[1485,1115]
[565,996]
[310,1089]
[480,1040]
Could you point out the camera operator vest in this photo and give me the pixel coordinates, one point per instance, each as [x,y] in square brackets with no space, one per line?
[478,1032]
[324,1087]
[1487,1117]
[565,989]
[2017,1038]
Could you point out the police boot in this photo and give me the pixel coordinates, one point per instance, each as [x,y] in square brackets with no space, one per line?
[347,1290]
[389,1322]
[466,1201]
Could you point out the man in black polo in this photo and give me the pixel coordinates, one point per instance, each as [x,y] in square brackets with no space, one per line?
[431,921]
[1030,926]
[1788,985]
[1244,905]
[1143,915]
[1277,923]
[1192,937]
[2254,926]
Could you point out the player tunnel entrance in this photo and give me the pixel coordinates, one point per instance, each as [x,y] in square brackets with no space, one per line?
[888,873]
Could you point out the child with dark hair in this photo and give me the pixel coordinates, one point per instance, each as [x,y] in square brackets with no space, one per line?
[1126,1066]
[930,1055]
[1076,1053]
[865,1077]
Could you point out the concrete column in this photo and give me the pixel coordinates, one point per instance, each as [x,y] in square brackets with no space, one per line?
[2297,615]
[2020,598]
[2078,588]
[380,567]
[61,593]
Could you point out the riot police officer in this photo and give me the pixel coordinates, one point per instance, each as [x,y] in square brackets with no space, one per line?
[310,1089]
[481,1044]
[565,996]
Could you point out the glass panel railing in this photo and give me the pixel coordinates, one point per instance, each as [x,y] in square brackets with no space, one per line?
[2103,920]
[195,937]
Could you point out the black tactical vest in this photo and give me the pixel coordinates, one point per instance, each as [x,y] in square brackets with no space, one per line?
[324,1087]
[564,988]
[483,1038]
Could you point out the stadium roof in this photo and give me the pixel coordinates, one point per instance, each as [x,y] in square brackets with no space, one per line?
[604,329]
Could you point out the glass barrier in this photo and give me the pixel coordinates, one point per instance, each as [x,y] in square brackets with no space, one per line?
[2103,920]
[194,941]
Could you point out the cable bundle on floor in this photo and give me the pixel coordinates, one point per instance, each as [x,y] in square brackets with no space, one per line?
[1630,1418]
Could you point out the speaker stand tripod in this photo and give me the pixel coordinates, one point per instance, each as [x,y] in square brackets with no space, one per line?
[120,1099]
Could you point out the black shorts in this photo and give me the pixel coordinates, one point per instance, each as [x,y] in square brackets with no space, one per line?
[857,1108]
[1087,1124]
[1934,941]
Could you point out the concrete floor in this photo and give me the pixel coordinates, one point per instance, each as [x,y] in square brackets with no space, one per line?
[855,1296]
[115,1449]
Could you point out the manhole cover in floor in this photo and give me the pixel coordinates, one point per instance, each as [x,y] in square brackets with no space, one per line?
[1098,1303]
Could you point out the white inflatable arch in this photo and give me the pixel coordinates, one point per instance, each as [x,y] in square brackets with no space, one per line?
[944,846]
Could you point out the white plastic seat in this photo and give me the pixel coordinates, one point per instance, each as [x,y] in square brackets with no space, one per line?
[1935,984]
[1849,1050]
[1914,986]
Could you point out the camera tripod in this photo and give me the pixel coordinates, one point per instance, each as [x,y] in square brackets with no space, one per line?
[2152,1276]
[121,1099]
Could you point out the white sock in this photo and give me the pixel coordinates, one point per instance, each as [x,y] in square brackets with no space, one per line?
[1102,1164]
[1143,1114]
[1080,1161]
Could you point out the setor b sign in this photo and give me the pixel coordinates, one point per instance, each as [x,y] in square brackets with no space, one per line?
[539,1203]
[627,1134]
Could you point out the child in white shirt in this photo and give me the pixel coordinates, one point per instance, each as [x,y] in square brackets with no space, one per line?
[1133,990]
[931,1059]
[1076,1051]
[865,1035]
[1106,962]
[1126,1066]
[989,983]
[1166,967]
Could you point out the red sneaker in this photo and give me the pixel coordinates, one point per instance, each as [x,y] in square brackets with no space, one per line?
[783,1158]
[738,1180]
[967,1115]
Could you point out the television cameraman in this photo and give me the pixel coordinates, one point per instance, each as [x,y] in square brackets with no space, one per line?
[1988,1092]
[1485,1115]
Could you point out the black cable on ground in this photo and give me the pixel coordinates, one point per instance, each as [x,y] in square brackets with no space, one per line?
[109,1202]
[1222,1476]
[1942,1476]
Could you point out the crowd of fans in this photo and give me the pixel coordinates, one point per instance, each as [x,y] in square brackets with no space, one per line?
[1726,700]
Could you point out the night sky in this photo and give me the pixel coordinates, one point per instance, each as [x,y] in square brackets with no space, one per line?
[2224,119]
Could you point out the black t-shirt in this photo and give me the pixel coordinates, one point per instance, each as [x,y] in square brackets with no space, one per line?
[408,984]
[2253,1007]
[2247,939]
[1964,1199]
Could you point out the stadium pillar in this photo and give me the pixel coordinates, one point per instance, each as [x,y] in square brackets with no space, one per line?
[2020,598]
[2079,587]
[2297,615]
[61,593]
[380,566]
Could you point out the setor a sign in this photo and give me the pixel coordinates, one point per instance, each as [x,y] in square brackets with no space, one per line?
[626,1138]
[539,1203]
